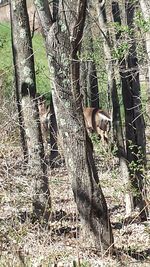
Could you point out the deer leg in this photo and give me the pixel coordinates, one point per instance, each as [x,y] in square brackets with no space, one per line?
[106,137]
[101,135]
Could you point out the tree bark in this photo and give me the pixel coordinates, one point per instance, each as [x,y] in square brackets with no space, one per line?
[54,155]
[145,7]
[92,81]
[112,85]
[100,5]
[18,96]
[25,77]
[92,84]
[64,41]
[134,121]
[83,83]
[123,160]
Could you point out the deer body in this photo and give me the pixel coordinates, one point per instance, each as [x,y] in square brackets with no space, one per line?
[44,114]
[98,121]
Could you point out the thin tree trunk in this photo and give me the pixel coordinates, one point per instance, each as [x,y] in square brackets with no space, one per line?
[112,87]
[89,198]
[25,76]
[18,100]
[100,5]
[117,123]
[134,121]
[54,155]
[92,81]
[92,84]
[145,7]
[123,161]
[83,83]
[88,69]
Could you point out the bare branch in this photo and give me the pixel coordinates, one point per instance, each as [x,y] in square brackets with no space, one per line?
[33,25]
[79,26]
[44,15]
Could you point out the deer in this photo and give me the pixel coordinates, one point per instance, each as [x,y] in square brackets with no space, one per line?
[44,115]
[98,121]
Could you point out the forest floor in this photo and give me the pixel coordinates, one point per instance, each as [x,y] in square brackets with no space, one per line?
[23,243]
[28,244]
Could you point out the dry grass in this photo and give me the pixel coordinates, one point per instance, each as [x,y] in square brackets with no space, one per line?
[24,243]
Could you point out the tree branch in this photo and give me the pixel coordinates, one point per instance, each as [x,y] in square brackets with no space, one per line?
[44,15]
[78,28]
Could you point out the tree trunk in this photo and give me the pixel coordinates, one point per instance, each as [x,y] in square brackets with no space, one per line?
[83,83]
[112,87]
[117,123]
[25,77]
[54,155]
[123,160]
[68,107]
[88,69]
[18,98]
[92,81]
[100,5]
[145,7]
[92,84]
[134,121]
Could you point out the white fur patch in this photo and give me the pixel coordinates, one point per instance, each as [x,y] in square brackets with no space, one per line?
[104,117]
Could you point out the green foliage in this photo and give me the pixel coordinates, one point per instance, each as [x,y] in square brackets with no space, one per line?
[143,24]
[121,50]
[122,29]
[99,58]
[93,51]
[95,138]
[137,165]
[41,65]
[83,264]
[5,47]
[6,63]
[6,71]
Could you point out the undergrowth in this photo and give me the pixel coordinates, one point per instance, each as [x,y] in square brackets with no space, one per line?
[58,243]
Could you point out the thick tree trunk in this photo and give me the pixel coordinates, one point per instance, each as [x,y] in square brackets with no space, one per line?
[25,76]
[77,147]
